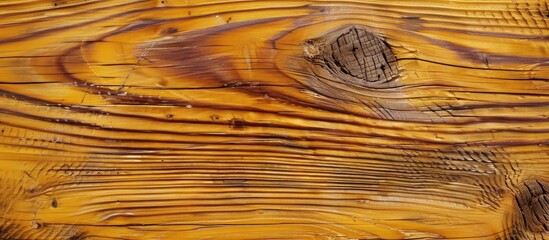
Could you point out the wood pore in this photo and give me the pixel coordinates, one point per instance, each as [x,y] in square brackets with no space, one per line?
[210,119]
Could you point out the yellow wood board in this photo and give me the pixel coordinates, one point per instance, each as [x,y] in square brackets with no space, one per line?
[190,119]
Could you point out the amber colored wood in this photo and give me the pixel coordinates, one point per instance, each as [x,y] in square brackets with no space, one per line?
[351,119]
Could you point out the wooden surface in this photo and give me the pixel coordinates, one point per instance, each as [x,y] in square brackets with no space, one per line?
[189,119]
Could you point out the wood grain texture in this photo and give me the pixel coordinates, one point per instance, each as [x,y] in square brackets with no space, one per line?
[350,119]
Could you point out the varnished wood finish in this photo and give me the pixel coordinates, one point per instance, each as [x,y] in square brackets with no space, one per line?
[189,119]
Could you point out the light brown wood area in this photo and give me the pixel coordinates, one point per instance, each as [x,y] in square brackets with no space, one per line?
[190,119]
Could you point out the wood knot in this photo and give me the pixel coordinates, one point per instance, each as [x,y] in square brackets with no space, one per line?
[354,55]
[531,215]
[237,123]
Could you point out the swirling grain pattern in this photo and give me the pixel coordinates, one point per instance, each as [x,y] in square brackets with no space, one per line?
[278,119]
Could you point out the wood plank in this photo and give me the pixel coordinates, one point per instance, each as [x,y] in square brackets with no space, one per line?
[205,119]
